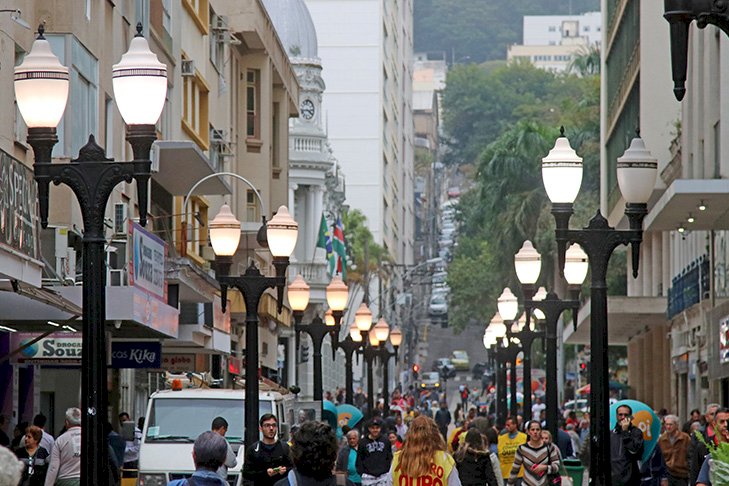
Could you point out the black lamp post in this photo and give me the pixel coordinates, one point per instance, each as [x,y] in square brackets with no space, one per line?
[349,345]
[280,237]
[680,14]
[562,176]
[363,321]
[548,308]
[337,294]
[385,354]
[41,89]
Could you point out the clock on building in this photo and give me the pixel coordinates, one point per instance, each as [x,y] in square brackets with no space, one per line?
[307,109]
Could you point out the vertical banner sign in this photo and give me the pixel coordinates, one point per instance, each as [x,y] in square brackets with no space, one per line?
[19,222]
[147,265]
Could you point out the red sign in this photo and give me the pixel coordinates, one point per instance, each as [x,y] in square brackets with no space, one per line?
[235,365]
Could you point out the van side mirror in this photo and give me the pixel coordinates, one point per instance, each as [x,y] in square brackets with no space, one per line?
[284,431]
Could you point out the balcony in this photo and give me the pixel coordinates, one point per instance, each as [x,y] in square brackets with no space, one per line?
[689,288]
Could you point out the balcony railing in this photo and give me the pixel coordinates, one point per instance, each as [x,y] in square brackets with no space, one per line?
[690,287]
[313,273]
[307,144]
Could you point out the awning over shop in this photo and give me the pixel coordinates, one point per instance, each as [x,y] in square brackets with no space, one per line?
[627,316]
[33,307]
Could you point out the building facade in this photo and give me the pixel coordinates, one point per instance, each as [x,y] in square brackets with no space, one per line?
[366,50]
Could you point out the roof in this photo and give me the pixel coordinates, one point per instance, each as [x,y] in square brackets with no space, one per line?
[294,27]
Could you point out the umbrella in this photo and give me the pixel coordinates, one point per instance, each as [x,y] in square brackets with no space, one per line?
[645,419]
[348,415]
[329,413]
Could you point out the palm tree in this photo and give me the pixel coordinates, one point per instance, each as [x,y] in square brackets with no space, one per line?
[586,62]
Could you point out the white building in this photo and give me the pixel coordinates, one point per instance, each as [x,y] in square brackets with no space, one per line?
[551,30]
[366,48]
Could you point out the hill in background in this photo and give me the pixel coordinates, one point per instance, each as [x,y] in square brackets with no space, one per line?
[480,30]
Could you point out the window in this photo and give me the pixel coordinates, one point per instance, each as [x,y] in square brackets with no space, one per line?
[199,12]
[251,206]
[193,228]
[109,128]
[253,99]
[195,109]
[216,38]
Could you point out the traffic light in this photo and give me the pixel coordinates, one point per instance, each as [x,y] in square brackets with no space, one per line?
[416,370]
[304,353]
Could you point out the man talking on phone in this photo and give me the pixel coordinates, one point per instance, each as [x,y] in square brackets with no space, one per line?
[626,449]
[267,460]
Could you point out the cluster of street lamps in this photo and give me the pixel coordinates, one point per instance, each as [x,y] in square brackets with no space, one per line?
[562,177]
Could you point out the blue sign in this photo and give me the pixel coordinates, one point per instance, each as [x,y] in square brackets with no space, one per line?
[136,355]
[645,419]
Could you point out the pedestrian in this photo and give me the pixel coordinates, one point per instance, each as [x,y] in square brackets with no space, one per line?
[220,427]
[653,471]
[267,461]
[19,435]
[34,457]
[535,458]
[116,445]
[695,417]
[443,419]
[208,453]
[347,459]
[47,440]
[423,459]
[11,469]
[697,449]
[65,464]
[537,408]
[564,442]
[574,439]
[674,445]
[314,453]
[473,461]
[400,428]
[359,398]
[626,449]
[4,438]
[131,451]
[374,455]
[507,444]
[465,394]
[721,428]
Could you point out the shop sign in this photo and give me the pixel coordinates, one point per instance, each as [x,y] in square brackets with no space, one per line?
[19,220]
[221,320]
[58,348]
[147,265]
[178,362]
[235,365]
[724,340]
[680,364]
[136,355]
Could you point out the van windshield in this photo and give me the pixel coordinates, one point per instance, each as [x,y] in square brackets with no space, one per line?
[183,419]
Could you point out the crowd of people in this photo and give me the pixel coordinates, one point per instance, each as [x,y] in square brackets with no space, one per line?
[408,445]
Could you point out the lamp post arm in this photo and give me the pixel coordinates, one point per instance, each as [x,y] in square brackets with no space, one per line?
[228,174]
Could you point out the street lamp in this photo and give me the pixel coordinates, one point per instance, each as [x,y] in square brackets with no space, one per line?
[547,307]
[350,344]
[281,233]
[317,328]
[497,328]
[41,91]
[562,176]
[680,14]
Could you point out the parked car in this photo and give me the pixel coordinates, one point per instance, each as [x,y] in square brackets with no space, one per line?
[438,305]
[460,360]
[430,380]
[444,367]
[439,278]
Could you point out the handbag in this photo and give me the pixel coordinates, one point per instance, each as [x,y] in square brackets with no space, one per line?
[560,478]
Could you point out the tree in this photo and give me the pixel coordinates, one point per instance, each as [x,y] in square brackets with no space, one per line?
[586,62]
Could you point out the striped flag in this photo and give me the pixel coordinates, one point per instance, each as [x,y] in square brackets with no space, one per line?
[340,250]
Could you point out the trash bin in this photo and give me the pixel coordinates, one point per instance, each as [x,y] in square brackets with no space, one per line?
[574,470]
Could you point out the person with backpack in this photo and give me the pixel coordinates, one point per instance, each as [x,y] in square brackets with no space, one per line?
[209,453]
[267,461]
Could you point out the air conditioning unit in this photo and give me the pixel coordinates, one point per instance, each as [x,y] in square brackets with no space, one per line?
[220,23]
[220,143]
[116,277]
[154,158]
[218,136]
[187,67]
[121,216]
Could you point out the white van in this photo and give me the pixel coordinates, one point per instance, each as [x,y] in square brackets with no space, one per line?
[175,419]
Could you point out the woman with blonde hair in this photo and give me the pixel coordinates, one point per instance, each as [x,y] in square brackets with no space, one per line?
[423,459]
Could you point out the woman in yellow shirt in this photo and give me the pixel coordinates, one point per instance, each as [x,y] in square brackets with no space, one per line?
[423,459]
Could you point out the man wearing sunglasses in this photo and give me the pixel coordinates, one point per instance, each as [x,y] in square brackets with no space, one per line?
[626,449]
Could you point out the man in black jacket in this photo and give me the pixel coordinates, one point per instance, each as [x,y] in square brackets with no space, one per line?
[267,460]
[626,449]
[374,454]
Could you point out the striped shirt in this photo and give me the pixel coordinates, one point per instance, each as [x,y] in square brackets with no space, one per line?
[528,457]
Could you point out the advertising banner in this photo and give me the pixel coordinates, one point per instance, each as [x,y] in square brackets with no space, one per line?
[178,363]
[136,355]
[19,221]
[147,265]
[58,348]
[645,419]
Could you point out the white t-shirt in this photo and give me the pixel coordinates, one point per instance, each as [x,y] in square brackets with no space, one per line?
[537,410]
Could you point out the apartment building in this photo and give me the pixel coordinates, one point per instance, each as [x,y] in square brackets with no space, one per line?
[231,91]
[366,49]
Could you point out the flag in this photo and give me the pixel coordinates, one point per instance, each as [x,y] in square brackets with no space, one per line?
[340,250]
[325,241]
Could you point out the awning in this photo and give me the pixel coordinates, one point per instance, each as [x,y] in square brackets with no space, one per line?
[176,157]
[683,197]
[627,316]
[29,308]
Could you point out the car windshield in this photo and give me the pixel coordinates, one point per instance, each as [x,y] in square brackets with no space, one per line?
[183,419]
[438,299]
[430,376]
